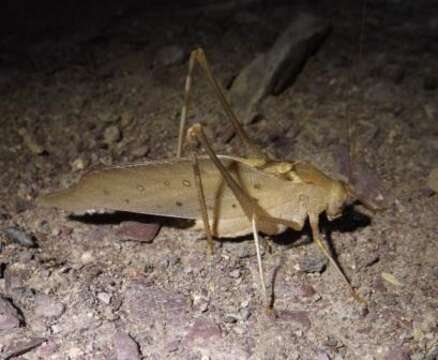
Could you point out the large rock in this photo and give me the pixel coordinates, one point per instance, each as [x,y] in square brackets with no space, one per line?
[272,72]
[9,316]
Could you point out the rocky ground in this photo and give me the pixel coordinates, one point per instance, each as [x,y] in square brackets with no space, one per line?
[105,287]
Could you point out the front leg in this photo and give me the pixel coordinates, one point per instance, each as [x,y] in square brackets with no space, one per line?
[314,224]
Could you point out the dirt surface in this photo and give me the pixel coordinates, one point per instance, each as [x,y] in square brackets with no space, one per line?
[82,292]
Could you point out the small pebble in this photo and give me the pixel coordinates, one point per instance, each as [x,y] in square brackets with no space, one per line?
[203,330]
[322,355]
[79,164]
[231,318]
[300,317]
[112,135]
[136,231]
[432,180]
[304,291]
[397,353]
[14,278]
[430,322]
[9,316]
[140,151]
[235,274]
[433,353]
[30,142]
[201,302]
[56,231]
[148,268]
[104,297]
[48,307]
[312,264]
[431,111]
[106,117]
[126,118]
[19,236]
[87,257]
[172,346]
[56,328]
[245,313]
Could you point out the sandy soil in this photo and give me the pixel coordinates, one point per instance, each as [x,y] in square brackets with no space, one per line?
[112,99]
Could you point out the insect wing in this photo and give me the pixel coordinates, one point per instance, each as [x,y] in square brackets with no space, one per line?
[157,188]
[166,188]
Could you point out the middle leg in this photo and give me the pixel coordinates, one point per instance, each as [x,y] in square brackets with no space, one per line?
[248,204]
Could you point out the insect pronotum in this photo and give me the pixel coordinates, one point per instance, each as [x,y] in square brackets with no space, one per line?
[228,196]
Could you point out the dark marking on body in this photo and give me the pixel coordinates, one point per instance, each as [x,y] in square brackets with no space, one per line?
[127,201]
[140,188]
[257,186]
[179,204]
[106,192]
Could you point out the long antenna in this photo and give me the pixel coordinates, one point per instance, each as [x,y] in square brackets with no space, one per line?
[351,136]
